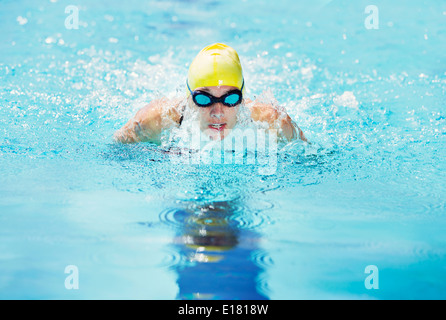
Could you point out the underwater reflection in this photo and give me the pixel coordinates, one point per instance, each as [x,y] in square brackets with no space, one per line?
[219,253]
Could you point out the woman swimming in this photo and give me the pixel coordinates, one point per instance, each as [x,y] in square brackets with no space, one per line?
[215,90]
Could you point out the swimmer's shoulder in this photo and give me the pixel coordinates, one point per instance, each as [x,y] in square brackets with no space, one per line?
[276,118]
[173,109]
[150,120]
[261,111]
[162,109]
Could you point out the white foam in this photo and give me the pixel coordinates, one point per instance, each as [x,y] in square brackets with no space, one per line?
[347,99]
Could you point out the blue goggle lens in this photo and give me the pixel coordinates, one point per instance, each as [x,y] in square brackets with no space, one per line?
[201,99]
[232,99]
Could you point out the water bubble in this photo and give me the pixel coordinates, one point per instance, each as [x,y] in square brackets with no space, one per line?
[21,20]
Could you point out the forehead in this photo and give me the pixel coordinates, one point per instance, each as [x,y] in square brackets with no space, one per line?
[217,90]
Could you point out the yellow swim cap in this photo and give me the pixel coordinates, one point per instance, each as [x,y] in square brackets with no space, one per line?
[215,65]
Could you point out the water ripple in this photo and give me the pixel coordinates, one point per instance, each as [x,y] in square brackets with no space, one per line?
[237,215]
[172,258]
[262,259]
[249,220]
[169,217]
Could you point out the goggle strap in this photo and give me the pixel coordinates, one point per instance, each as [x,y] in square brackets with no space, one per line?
[187,82]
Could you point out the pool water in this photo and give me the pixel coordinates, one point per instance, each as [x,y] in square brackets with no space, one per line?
[134,223]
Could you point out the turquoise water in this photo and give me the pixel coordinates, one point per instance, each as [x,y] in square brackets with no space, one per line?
[369,190]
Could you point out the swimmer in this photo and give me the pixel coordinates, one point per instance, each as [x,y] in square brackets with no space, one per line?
[215,89]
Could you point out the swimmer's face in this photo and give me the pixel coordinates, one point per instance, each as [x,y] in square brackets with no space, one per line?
[217,120]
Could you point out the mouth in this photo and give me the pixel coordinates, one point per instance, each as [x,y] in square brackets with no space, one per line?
[217,126]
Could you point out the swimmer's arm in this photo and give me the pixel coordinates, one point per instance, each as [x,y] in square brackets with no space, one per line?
[267,113]
[148,122]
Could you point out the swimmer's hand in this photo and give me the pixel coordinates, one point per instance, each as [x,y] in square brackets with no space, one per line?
[277,119]
[148,122]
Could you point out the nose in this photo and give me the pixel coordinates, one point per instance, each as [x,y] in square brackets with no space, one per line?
[217,110]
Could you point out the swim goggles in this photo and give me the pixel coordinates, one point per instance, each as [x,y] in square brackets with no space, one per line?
[204,99]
